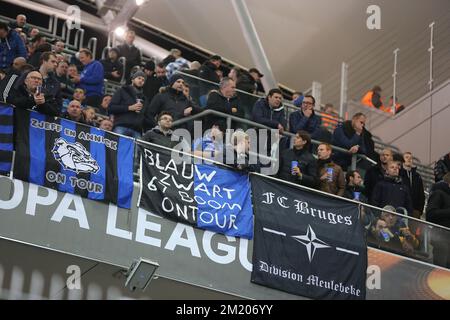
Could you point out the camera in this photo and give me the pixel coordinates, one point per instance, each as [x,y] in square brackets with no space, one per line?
[140,274]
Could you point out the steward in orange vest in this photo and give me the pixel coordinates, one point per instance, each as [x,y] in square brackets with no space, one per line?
[372,98]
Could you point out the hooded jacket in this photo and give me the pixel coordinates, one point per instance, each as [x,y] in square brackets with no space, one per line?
[11,47]
[264,114]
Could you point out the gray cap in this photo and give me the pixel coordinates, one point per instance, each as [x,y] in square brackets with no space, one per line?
[138,74]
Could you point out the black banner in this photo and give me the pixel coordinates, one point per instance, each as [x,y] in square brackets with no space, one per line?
[307,244]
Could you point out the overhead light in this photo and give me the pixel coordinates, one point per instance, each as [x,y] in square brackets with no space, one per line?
[120,31]
[140,2]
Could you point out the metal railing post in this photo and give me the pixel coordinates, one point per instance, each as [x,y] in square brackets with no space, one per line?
[317,93]
[227,134]
[430,50]
[344,88]
[55,25]
[353,165]
[394,79]
[92,45]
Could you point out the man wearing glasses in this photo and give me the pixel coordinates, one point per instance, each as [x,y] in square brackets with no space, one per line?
[30,95]
[306,119]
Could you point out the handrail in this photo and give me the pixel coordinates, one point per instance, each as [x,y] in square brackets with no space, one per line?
[104,52]
[92,45]
[78,43]
[124,62]
[301,186]
[429,225]
[258,125]
[288,104]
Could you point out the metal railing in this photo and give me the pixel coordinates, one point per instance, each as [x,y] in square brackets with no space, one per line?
[405,71]
[418,235]
[247,99]
[229,118]
[386,229]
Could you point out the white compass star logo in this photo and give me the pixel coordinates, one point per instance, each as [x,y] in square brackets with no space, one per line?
[311,242]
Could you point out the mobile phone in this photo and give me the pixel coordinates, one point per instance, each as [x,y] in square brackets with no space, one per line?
[38,90]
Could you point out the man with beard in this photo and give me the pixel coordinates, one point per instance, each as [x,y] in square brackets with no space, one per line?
[172,100]
[126,106]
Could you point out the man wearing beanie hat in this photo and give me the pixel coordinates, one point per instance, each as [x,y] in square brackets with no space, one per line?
[152,83]
[112,66]
[172,100]
[126,105]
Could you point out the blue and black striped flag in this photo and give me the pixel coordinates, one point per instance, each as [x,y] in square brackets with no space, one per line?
[6,138]
[74,158]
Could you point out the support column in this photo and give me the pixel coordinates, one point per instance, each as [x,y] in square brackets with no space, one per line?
[254,44]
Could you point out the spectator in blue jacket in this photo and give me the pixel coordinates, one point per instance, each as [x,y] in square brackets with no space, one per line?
[91,78]
[269,111]
[353,136]
[11,46]
[305,119]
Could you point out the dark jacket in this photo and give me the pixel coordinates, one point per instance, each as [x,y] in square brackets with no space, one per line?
[241,162]
[438,207]
[11,79]
[245,82]
[345,136]
[306,163]
[21,98]
[264,114]
[151,86]
[67,86]
[156,136]
[110,66]
[349,193]
[413,180]
[132,56]
[441,168]
[121,100]
[216,101]
[297,121]
[367,217]
[337,185]
[208,72]
[371,178]
[52,87]
[82,119]
[392,191]
[13,25]
[172,101]
[11,47]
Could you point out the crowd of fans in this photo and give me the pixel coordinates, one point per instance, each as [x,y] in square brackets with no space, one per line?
[36,74]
